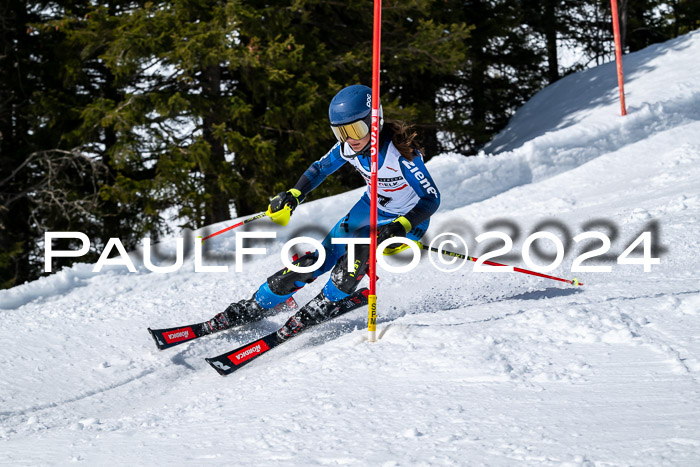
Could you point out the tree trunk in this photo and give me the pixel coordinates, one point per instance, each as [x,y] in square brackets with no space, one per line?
[550,34]
[622,11]
[216,204]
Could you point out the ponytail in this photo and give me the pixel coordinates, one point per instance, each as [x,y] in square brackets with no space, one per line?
[404,137]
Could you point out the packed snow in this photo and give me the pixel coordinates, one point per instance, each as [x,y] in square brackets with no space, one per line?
[469,368]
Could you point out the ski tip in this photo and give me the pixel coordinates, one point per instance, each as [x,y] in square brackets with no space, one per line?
[155,339]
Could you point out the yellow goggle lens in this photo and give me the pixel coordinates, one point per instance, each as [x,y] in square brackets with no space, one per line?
[354,130]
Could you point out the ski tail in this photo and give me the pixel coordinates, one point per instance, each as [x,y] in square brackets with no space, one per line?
[228,362]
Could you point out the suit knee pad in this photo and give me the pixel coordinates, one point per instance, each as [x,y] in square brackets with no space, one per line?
[286,281]
[347,281]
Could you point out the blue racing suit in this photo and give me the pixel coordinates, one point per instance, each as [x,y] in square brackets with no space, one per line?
[405,188]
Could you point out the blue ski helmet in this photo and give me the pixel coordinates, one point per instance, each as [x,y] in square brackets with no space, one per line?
[350,113]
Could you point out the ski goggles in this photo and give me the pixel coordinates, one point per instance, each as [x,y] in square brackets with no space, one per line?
[354,130]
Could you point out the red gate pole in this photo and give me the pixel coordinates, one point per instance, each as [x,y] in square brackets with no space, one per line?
[618,55]
[376,48]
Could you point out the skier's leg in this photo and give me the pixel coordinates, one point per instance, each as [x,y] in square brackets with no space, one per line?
[345,278]
[340,285]
[349,226]
[283,284]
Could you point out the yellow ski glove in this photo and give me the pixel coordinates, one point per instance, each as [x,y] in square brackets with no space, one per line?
[283,205]
[399,227]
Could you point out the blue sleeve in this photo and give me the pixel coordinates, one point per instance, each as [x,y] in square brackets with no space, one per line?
[422,183]
[319,170]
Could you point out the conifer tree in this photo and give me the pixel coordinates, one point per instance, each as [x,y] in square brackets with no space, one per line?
[502,70]
[45,183]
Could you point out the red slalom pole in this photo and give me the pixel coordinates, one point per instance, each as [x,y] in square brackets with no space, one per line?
[618,55]
[376,50]
[258,216]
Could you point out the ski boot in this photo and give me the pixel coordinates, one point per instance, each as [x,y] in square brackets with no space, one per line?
[237,314]
[319,309]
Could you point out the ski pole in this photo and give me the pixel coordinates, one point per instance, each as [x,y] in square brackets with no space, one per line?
[250,219]
[491,263]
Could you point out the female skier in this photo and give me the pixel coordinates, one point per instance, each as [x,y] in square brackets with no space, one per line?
[407,197]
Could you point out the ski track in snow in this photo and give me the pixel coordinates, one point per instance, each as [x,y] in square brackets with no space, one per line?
[470,368]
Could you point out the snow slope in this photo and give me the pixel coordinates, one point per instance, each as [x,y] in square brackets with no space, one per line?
[470,368]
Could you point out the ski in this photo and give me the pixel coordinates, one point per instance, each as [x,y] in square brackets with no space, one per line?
[170,337]
[231,361]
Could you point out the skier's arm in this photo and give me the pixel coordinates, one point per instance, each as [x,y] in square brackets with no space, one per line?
[282,205]
[422,183]
[319,170]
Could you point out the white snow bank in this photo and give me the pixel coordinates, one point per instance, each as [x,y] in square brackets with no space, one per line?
[660,81]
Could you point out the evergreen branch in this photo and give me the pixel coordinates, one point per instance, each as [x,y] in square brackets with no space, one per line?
[53,169]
